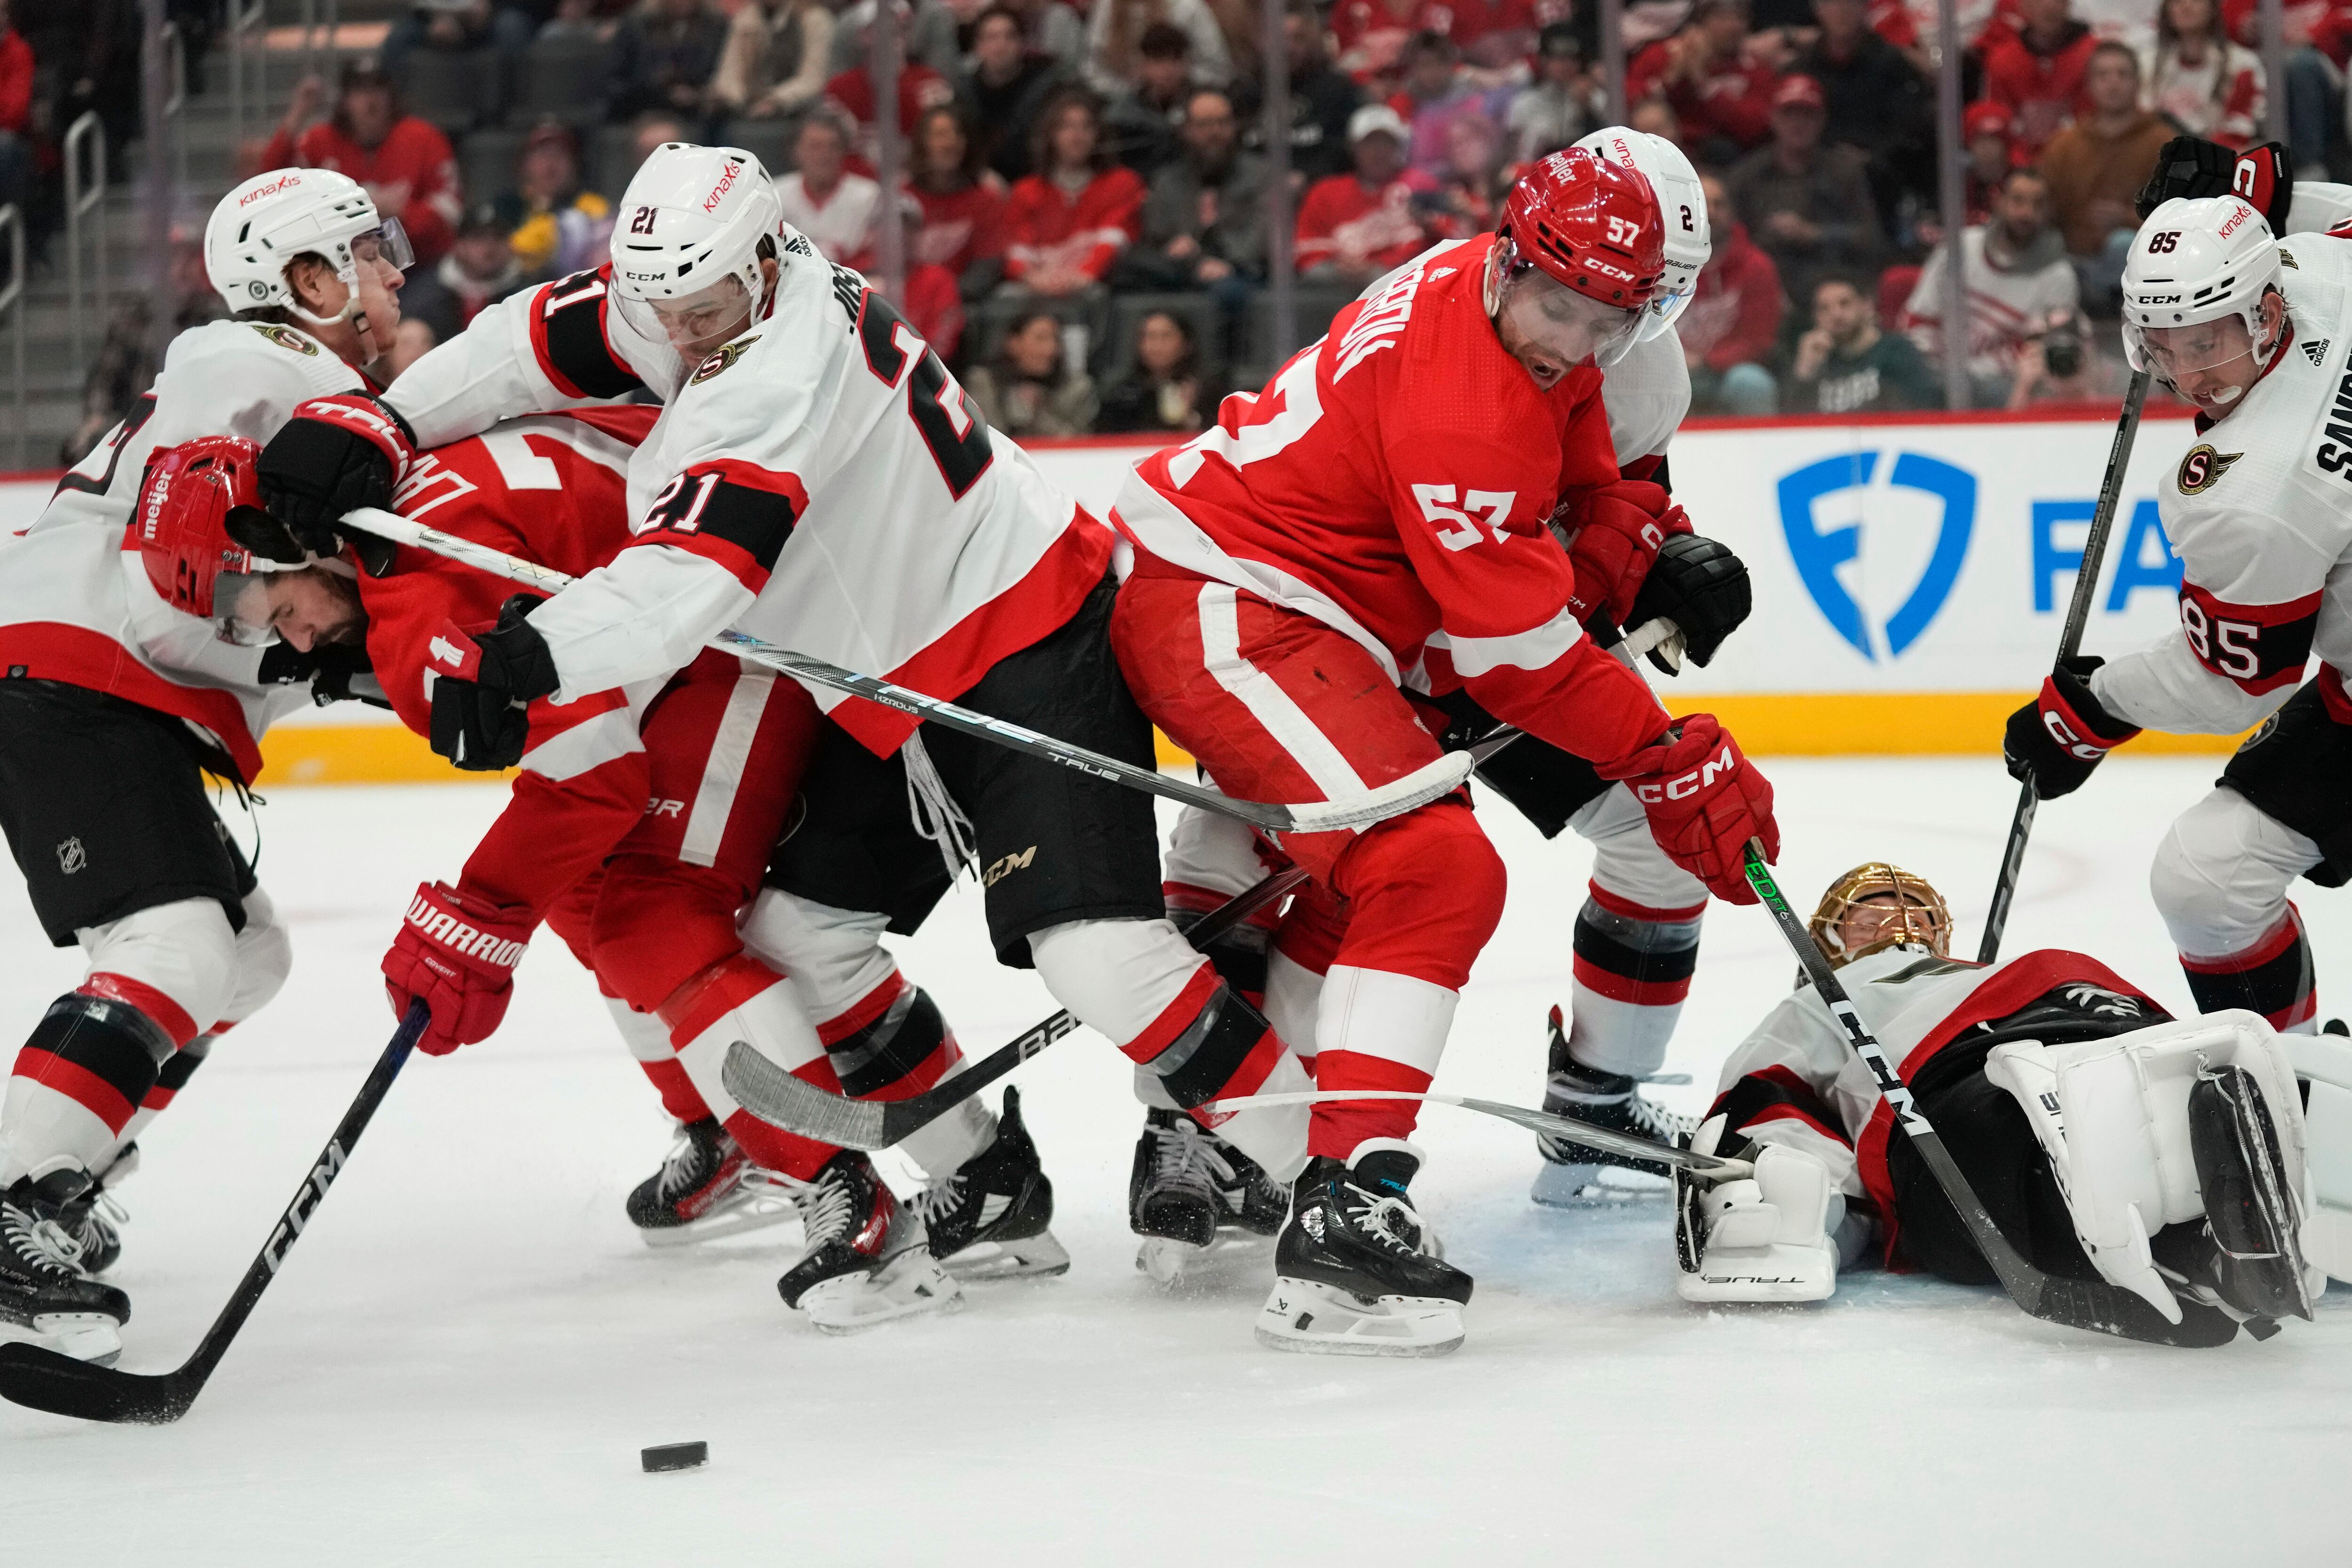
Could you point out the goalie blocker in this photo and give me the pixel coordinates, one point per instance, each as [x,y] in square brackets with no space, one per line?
[2172,1158]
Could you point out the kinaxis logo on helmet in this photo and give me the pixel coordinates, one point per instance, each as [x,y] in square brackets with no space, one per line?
[287,184]
[1817,553]
[726,182]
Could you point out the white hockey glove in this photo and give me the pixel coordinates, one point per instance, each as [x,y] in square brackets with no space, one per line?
[1763,1239]
[2134,1126]
[2323,1061]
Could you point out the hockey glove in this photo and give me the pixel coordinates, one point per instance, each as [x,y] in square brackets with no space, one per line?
[2191,167]
[485,680]
[457,954]
[1704,801]
[334,455]
[2056,739]
[1613,532]
[1700,586]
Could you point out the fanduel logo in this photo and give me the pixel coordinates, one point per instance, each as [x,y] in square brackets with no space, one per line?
[1818,552]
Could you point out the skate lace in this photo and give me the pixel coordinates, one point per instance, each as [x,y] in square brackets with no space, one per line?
[1380,1215]
[1185,1158]
[1653,1120]
[42,1243]
[826,1211]
[938,1200]
[681,1167]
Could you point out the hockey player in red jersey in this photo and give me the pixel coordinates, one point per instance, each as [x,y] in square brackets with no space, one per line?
[1373,523]
[2175,1159]
[817,479]
[117,694]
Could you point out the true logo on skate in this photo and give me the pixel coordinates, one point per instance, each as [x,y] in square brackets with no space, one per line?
[71,856]
[2203,467]
[1007,866]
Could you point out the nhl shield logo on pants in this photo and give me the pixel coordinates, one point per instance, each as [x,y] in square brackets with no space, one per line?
[71,856]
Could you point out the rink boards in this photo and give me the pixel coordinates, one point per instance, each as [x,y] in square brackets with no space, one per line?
[1910,577]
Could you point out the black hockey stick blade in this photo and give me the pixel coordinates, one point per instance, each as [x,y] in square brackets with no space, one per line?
[776,1097]
[40,1379]
[1713,1168]
[2091,1305]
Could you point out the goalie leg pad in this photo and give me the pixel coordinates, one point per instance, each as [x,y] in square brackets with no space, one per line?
[2250,1208]
[1763,1239]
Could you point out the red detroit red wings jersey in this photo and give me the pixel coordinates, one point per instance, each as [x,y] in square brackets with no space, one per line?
[1394,482]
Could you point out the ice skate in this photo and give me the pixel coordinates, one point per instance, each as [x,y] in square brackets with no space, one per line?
[1351,1276]
[1576,1176]
[44,1296]
[1190,1192]
[988,1219]
[867,1261]
[707,1187]
[96,1218]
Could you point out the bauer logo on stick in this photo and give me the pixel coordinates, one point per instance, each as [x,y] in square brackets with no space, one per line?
[2203,467]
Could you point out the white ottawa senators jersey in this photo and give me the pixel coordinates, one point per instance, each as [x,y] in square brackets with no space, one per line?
[820,482]
[2259,509]
[225,377]
[1393,481]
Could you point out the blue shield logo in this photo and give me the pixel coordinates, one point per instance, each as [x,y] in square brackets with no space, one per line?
[1818,554]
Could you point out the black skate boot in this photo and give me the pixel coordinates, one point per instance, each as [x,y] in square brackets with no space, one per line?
[1189,1189]
[988,1219]
[1575,1176]
[865,1261]
[707,1187]
[45,1297]
[1351,1274]
[96,1218]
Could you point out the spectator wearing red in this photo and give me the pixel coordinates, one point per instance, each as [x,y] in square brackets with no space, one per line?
[2195,76]
[406,165]
[15,112]
[835,208]
[1372,33]
[1352,227]
[1733,320]
[2318,34]
[962,202]
[1719,92]
[1494,36]
[1436,91]
[1066,224]
[919,87]
[2036,71]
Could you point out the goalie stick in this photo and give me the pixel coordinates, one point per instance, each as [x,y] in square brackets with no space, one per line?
[41,1379]
[1433,781]
[2092,1304]
[2070,642]
[776,1097]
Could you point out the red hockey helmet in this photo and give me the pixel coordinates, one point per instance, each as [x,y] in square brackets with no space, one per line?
[180,525]
[1589,223]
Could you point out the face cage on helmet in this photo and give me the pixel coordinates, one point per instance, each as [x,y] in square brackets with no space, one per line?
[1609,347]
[1918,916]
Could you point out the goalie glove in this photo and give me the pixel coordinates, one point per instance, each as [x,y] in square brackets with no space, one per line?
[1699,587]
[1765,1237]
[2192,167]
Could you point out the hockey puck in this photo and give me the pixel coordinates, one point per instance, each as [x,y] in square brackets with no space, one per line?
[676,1457]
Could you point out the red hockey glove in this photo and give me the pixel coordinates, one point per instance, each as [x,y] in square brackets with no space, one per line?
[1614,532]
[333,454]
[1704,801]
[2056,739]
[458,953]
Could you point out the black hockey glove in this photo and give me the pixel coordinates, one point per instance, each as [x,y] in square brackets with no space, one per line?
[334,455]
[2056,739]
[1699,585]
[484,686]
[345,674]
[2192,167]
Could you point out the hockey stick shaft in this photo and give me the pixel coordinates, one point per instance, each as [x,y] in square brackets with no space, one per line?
[1715,1167]
[776,1097]
[2099,1307]
[2069,642]
[44,1380]
[1419,787]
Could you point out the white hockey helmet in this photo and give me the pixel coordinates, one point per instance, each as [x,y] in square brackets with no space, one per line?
[2194,263]
[1681,201]
[270,219]
[691,222]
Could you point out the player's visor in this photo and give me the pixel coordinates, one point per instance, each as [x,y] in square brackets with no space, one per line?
[2173,352]
[694,324]
[387,243]
[1574,327]
[242,610]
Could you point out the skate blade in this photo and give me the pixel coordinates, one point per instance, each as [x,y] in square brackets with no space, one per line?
[1582,1186]
[92,1337]
[908,1285]
[1315,1319]
[722,1223]
[1030,1257]
[1236,1256]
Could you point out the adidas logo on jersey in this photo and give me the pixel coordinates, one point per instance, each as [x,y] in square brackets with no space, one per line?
[2316,353]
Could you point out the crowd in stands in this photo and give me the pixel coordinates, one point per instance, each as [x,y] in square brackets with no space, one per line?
[1082,192]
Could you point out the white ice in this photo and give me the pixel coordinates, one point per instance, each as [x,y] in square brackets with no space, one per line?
[468,1349]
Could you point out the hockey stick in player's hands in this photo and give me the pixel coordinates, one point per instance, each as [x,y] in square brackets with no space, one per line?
[2069,642]
[41,1379]
[775,1096]
[1419,787]
[2092,1304]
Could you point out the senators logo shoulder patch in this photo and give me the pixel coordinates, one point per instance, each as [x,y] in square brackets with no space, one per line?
[727,354]
[285,337]
[2203,467]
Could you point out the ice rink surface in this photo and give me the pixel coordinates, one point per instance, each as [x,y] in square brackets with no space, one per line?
[464,1357]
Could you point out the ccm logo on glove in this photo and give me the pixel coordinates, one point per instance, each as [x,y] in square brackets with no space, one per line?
[1681,786]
